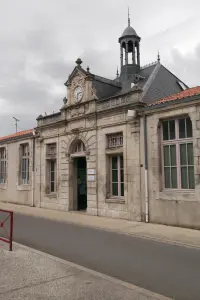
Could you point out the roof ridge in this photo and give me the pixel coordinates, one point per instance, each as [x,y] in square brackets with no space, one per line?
[149,65]
[111,81]
[150,80]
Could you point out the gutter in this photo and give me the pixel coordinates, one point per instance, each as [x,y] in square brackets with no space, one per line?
[33,170]
[146,171]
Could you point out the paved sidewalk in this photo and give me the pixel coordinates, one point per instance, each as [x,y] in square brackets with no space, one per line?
[174,235]
[28,274]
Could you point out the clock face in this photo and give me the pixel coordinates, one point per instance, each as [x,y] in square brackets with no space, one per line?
[78,93]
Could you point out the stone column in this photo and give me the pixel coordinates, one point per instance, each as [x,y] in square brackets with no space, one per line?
[121,56]
[126,54]
[133,54]
[138,54]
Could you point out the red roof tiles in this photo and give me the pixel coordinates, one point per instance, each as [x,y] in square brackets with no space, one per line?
[184,94]
[17,134]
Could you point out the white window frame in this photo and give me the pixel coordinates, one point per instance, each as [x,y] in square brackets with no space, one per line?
[51,152]
[50,175]
[118,175]
[177,142]
[3,163]
[25,161]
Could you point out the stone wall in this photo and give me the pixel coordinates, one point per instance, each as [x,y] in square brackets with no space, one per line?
[127,207]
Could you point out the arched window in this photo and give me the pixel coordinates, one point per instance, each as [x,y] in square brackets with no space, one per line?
[130,52]
[79,147]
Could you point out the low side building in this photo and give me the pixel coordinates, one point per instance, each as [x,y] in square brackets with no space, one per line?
[173,158]
[16,168]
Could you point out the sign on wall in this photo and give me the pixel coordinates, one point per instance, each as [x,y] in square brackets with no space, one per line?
[91,171]
[91,178]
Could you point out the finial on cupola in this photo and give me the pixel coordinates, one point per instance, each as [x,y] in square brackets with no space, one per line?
[129,22]
[117,73]
[78,61]
[158,58]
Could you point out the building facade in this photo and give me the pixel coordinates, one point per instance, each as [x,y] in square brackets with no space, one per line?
[124,148]
[16,168]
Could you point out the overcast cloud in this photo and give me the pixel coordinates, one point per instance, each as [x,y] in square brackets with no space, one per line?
[41,39]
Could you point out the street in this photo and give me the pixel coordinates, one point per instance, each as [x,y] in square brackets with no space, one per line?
[163,268]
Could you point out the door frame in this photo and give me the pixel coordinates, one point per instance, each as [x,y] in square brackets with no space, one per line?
[73,200]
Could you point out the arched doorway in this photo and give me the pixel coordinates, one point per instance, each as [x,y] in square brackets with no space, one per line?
[78,154]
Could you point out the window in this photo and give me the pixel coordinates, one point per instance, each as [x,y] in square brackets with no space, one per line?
[3,165]
[79,147]
[177,150]
[51,168]
[117,176]
[115,140]
[52,177]
[24,168]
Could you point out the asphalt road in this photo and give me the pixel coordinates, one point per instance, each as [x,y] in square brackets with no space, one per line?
[166,269]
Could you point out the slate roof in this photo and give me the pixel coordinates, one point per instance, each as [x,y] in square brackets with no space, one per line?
[104,87]
[188,93]
[159,83]
[156,82]
[20,134]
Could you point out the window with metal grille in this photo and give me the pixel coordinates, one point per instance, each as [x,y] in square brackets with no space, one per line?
[3,165]
[115,140]
[177,154]
[25,160]
[51,149]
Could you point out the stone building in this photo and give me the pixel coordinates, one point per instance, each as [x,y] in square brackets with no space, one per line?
[16,168]
[115,149]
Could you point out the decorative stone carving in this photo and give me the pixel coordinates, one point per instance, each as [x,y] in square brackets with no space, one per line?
[87,107]
[94,93]
[78,80]
[77,111]
[92,122]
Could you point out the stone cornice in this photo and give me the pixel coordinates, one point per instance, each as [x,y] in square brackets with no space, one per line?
[119,101]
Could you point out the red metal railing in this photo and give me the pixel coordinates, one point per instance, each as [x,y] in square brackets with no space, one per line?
[8,236]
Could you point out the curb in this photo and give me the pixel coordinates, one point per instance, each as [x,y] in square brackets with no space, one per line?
[95,273]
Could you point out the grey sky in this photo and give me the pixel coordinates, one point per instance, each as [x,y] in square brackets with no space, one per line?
[41,39]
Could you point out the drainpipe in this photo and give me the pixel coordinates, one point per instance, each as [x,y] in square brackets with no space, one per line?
[33,169]
[97,173]
[146,172]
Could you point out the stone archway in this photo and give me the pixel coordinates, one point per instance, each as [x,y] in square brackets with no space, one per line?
[78,175]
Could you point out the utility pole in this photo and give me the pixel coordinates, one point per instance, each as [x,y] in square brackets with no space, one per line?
[16,120]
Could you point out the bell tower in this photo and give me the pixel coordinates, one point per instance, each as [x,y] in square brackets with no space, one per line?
[129,52]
